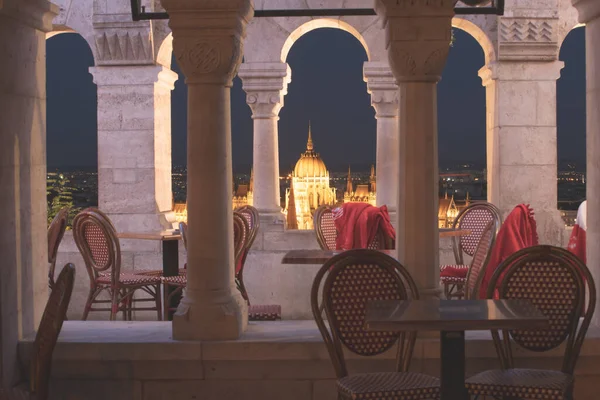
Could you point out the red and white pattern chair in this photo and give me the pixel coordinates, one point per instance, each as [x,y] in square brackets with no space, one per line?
[475,218]
[97,242]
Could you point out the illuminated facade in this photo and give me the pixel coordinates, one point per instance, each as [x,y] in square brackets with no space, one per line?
[363,193]
[448,210]
[310,180]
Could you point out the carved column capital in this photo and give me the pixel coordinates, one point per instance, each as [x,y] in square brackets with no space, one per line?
[418,35]
[588,10]
[208,37]
[37,14]
[383,89]
[265,85]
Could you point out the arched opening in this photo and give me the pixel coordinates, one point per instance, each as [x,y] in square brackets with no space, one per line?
[71,140]
[241,131]
[461,126]
[571,125]
[328,96]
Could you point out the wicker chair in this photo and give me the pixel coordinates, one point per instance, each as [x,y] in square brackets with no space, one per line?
[40,366]
[475,218]
[263,312]
[555,281]
[56,231]
[97,242]
[326,231]
[479,263]
[174,285]
[352,279]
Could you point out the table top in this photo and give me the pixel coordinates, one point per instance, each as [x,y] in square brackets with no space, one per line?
[163,236]
[453,315]
[322,256]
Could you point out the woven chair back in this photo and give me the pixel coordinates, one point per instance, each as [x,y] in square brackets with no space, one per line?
[253,219]
[240,235]
[324,226]
[351,280]
[555,282]
[48,332]
[475,217]
[480,261]
[56,231]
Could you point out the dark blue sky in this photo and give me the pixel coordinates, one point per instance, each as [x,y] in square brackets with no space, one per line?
[327,88]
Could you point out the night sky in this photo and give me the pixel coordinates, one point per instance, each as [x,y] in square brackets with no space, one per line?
[327,88]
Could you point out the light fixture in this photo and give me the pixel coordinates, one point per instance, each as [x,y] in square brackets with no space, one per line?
[491,7]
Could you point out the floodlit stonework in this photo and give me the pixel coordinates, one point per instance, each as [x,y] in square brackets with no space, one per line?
[406,51]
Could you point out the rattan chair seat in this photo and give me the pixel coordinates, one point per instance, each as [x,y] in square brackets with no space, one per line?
[267,312]
[156,272]
[128,278]
[180,280]
[454,273]
[531,384]
[389,386]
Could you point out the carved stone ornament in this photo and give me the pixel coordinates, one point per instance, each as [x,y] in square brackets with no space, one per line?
[528,39]
[266,85]
[209,59]
[418,35]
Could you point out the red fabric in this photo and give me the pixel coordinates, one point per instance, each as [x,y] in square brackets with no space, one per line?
[454,271]
[357,225]
[577,240]
[240,263]
[517,232]
[577,243]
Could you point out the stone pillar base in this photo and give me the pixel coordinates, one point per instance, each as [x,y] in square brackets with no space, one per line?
[272,220]
[221,318]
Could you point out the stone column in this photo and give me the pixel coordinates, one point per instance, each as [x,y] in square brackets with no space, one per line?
[208,43]
[418,35]
[521,120]
[589,14]
[383,89]
[23,246]
[266,85]
[134,145]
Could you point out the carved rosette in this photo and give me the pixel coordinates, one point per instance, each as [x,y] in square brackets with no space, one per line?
[418,35]
[208,38]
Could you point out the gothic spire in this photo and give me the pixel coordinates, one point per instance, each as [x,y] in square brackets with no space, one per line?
[309,143]
[349,182]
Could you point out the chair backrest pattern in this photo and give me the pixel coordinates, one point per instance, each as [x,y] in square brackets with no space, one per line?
[480,260]
[240,235]
[253,219]
[49,330]
[98,243]
[475,218]
[554,281]
[353,279]
[56,231]
[325,228]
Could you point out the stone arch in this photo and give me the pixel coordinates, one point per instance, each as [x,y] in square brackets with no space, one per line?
[479,34]
[321,23]
[165,51]
[75,16]
[568,19]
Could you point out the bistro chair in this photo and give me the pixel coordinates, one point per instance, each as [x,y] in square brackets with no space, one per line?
[325,227]
[252,218]
[263,312]
[479,263]
[555,281]
[97,241]
[475,217]
[174,285]
[56,231]
[351,280]
[37,386]
[326,231]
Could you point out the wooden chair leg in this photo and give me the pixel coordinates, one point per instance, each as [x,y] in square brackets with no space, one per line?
[157,299]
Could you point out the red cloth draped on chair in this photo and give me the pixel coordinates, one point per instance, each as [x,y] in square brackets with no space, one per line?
[358,224]
[518,232]
[577,240]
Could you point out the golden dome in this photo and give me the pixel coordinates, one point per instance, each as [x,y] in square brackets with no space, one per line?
[310,164]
